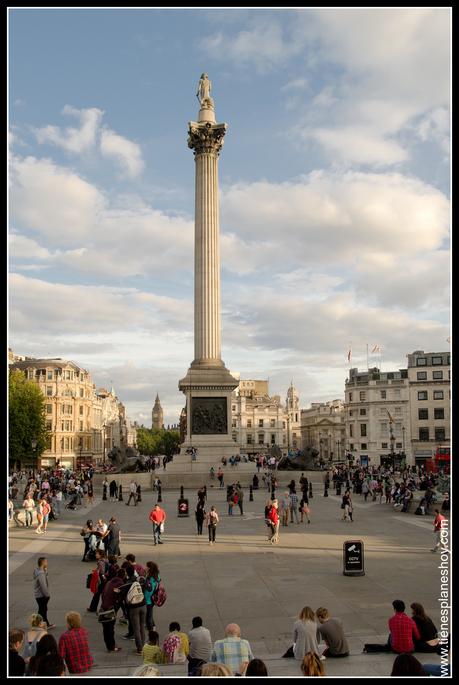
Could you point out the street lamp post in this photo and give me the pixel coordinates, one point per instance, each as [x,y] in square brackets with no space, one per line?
[34,447]
[338,444]
[103,428]
[392,441]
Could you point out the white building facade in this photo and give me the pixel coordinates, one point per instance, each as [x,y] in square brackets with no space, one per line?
[429,375]
[377,417]
[323,429]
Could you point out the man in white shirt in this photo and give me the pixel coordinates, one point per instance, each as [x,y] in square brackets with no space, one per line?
[132,493]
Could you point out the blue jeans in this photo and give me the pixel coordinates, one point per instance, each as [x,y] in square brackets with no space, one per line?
[28,517]
[156,532]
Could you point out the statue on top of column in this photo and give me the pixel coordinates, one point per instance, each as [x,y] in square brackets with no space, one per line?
[203,93]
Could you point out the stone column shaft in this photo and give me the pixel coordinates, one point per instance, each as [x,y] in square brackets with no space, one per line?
[207,260]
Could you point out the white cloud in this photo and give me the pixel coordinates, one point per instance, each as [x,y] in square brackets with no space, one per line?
[76,140]
[90,137]
[126,153]
[357,144]
[53,201]
[264,45]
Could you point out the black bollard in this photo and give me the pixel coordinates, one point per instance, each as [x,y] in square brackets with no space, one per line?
[160,499]
[120,493]
[310,491]
[251,494]
[273,493]
[181,492]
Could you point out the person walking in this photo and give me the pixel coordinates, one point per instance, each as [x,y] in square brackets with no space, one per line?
[200,515]
[113,491]
[104,489]
[90,540]
[41,589]
[29,507]
[138,493]
[273,517]
[437,523]
[240,495]
[220,477]
[157,517]
[212,521]
[132,493]
[113,538]
[110,601]
[293,505]
[304,507]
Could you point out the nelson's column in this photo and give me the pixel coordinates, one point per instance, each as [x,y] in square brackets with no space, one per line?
[208,384]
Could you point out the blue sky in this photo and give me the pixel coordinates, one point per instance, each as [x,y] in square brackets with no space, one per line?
[334,190]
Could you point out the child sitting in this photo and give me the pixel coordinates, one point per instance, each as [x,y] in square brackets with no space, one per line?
[151,651]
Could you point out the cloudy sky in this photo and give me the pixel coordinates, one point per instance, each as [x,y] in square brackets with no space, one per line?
[334,190]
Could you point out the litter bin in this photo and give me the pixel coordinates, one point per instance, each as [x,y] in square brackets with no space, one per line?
[182,507]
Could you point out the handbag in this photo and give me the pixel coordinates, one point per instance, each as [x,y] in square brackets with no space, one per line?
[106,616]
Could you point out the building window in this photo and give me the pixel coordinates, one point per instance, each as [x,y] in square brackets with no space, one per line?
[383,427]
[351,446]
[351,412]
[439,413]
[234,407]
[49,408]
[422,395]
[49,375]
[423,434]
[423,414]
[421,361]
[363,446]
[235,437]
[363,412]
[283,424]
[261,438]
[81,410]
[438,394]
[260,423]
[363,430]
[437,375]
[273,439]
[384,445]
[81,392]
[362,396]
[383,411]
[440,434]
[233,423]
[49,390]
[398,445]
[81,425]
[296,418]
[351,430]
[383,394]
[421,375]
[284,440]
[49,425]
[437,361]
[249,438]
[350,397]
[249,423]
[273,423]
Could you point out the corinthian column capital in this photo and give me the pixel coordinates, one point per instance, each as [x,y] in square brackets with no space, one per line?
[206,137]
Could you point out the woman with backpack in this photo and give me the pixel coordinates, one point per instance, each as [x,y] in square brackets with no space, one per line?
[152,581]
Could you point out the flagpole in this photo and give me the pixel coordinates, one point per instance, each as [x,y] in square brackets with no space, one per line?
[368,365]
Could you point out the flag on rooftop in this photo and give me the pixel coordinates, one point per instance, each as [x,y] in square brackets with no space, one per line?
[349,356]
[376,348]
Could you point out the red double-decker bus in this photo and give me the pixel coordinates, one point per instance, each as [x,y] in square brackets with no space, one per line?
[441,460]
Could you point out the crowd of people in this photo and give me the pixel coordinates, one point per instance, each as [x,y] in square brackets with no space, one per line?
[128,592]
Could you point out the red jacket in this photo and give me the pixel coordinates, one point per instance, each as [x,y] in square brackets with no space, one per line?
[437,522]
[273,515]
[157,515]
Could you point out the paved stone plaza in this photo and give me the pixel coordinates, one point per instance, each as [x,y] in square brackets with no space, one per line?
[242,578]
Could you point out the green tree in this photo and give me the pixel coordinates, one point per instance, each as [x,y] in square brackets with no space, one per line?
[26,412]
[153,441]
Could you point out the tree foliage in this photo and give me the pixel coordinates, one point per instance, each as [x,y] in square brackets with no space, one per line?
[152,441]
[26,412]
